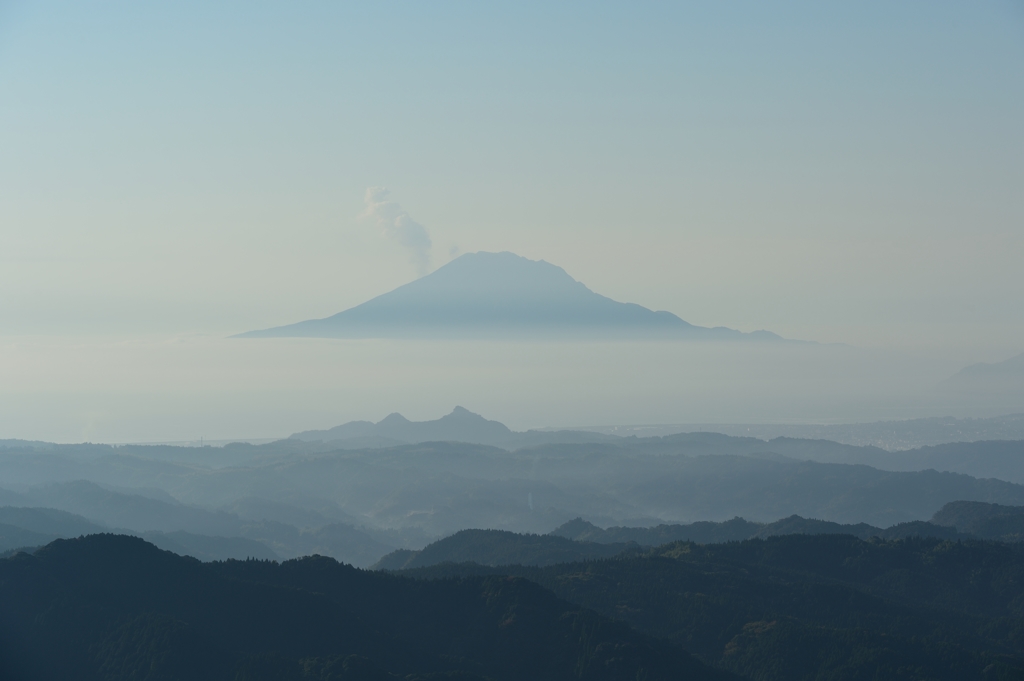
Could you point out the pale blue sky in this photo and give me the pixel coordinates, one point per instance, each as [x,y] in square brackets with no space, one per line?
[845,172]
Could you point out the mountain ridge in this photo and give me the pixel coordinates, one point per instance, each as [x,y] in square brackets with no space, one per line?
[115,607]
[460,425]
[999,384]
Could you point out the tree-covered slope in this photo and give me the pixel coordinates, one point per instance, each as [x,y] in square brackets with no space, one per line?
[115,607]
[989,521]
[578,540]
[813,607]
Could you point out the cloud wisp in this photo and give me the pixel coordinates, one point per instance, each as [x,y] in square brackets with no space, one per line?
[395,222]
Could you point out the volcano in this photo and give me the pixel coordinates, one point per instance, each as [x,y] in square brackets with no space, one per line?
[501,295]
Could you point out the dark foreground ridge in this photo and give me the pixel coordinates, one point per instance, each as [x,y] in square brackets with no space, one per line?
[811,607]
[115,607]
[497,295]
[943,525]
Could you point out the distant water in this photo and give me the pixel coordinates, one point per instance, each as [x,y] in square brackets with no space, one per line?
[183,388]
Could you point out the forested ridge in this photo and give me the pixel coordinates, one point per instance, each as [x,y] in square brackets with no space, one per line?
[791,607]
[812,607]
[114,607]
[579,540]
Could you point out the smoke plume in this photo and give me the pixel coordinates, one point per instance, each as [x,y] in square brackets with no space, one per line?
[394,222]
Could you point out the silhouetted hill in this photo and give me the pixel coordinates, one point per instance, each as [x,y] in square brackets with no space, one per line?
[578,540]
[498,295]
[1013,365]
[998,384]
[1000,459]
[702,532]
[988,521]
[113,607]
[461,425]
[888,435]
[811,607]
[738,529]
[496,547]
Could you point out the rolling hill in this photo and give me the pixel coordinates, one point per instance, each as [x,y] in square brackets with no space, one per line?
[114,607]
[809,607]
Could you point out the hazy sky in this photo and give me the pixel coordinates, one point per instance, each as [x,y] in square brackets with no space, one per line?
[848,172]
[840,171]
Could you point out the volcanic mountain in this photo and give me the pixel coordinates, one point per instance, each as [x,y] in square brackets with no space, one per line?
[500,295]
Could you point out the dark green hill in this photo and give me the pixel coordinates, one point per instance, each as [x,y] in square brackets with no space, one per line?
[578,540]
[988,521]
[114,607]
[813,607]
[498,547]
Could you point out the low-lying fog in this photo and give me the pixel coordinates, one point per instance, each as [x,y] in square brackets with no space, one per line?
[161,388]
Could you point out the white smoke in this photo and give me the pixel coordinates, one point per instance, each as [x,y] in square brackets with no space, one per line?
[394,222]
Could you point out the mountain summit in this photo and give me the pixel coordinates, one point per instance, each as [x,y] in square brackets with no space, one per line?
[499,295]
[461,425]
